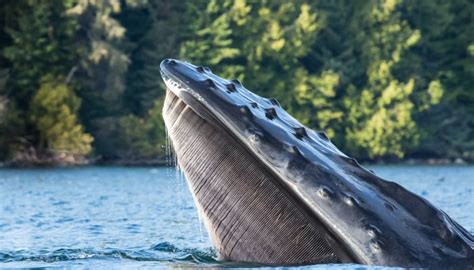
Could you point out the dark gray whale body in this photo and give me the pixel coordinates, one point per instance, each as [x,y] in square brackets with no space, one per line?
[272,191]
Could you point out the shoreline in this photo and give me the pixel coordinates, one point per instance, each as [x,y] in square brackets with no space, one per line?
[163,162]
[83,163]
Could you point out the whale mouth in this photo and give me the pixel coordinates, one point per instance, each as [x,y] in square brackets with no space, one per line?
[249,213]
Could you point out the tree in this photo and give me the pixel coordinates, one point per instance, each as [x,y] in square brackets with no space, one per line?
[143,138]
[263,44]
[42,39]
[388,78]
[446,62]
[54,111]
[37,37]
[103,68]
[356,45]
[336,56]
[11,125]
[380,113]
[155,32]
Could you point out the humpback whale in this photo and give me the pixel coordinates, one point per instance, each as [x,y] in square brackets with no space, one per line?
[274,192]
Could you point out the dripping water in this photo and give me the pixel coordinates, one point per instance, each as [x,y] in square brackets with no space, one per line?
[181,186]
[200,221]
[172,163]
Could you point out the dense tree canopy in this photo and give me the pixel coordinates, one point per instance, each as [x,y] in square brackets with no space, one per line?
[383,78]
[54,112]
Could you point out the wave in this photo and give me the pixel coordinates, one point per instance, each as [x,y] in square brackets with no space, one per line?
[161,252]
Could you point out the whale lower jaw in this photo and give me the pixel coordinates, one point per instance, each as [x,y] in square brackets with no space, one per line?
[249,215]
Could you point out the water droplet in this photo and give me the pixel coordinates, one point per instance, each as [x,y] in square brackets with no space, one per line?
[372,230]
[292,149]
[376,246]
[254,138]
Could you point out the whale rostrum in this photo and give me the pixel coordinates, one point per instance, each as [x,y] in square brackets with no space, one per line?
[275,192]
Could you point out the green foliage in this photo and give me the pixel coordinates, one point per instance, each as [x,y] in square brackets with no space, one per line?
[443,56]
[105,64]
[380,115]
[41,41]
[143,137]
[12,129]
[383,125]
[54,111]
[3,100]
[11,125]
[266,45]
[256,42]
[37,38]
[103,69]
[262,43]
[155,30]
[383,78]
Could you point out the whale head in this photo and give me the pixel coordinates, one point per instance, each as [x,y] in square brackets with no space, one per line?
[275,192]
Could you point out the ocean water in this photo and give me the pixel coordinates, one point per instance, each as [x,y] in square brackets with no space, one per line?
[128,218]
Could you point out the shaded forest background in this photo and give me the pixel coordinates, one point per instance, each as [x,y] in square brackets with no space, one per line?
[386,79]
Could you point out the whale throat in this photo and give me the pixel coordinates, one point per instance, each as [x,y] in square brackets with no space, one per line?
[249,215]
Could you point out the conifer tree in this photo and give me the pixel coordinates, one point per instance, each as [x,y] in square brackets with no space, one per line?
[54,111]
[103,69]
[445,57]
[42,39]
[380,114]
[263,43]
[156,31]
[39,39]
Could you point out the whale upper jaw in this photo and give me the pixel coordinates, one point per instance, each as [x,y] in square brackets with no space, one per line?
[371,220]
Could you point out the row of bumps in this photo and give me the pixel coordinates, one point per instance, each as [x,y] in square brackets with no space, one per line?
[270,113]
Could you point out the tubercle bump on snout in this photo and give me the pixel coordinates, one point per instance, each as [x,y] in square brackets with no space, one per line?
[271,113]
[231,87]
[246,111]
[170,61]
[210,83]
[274,102]
[300,132]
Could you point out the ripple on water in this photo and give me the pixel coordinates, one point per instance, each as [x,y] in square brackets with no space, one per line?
[143,218]
[161,252]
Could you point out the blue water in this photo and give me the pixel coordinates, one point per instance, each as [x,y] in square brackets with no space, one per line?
[115,218]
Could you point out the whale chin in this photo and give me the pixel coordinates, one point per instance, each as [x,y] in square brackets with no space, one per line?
[249,214]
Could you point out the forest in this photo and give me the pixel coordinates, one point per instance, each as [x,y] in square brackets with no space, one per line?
[387,80]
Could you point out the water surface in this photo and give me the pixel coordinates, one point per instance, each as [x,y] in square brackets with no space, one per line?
[114,218]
